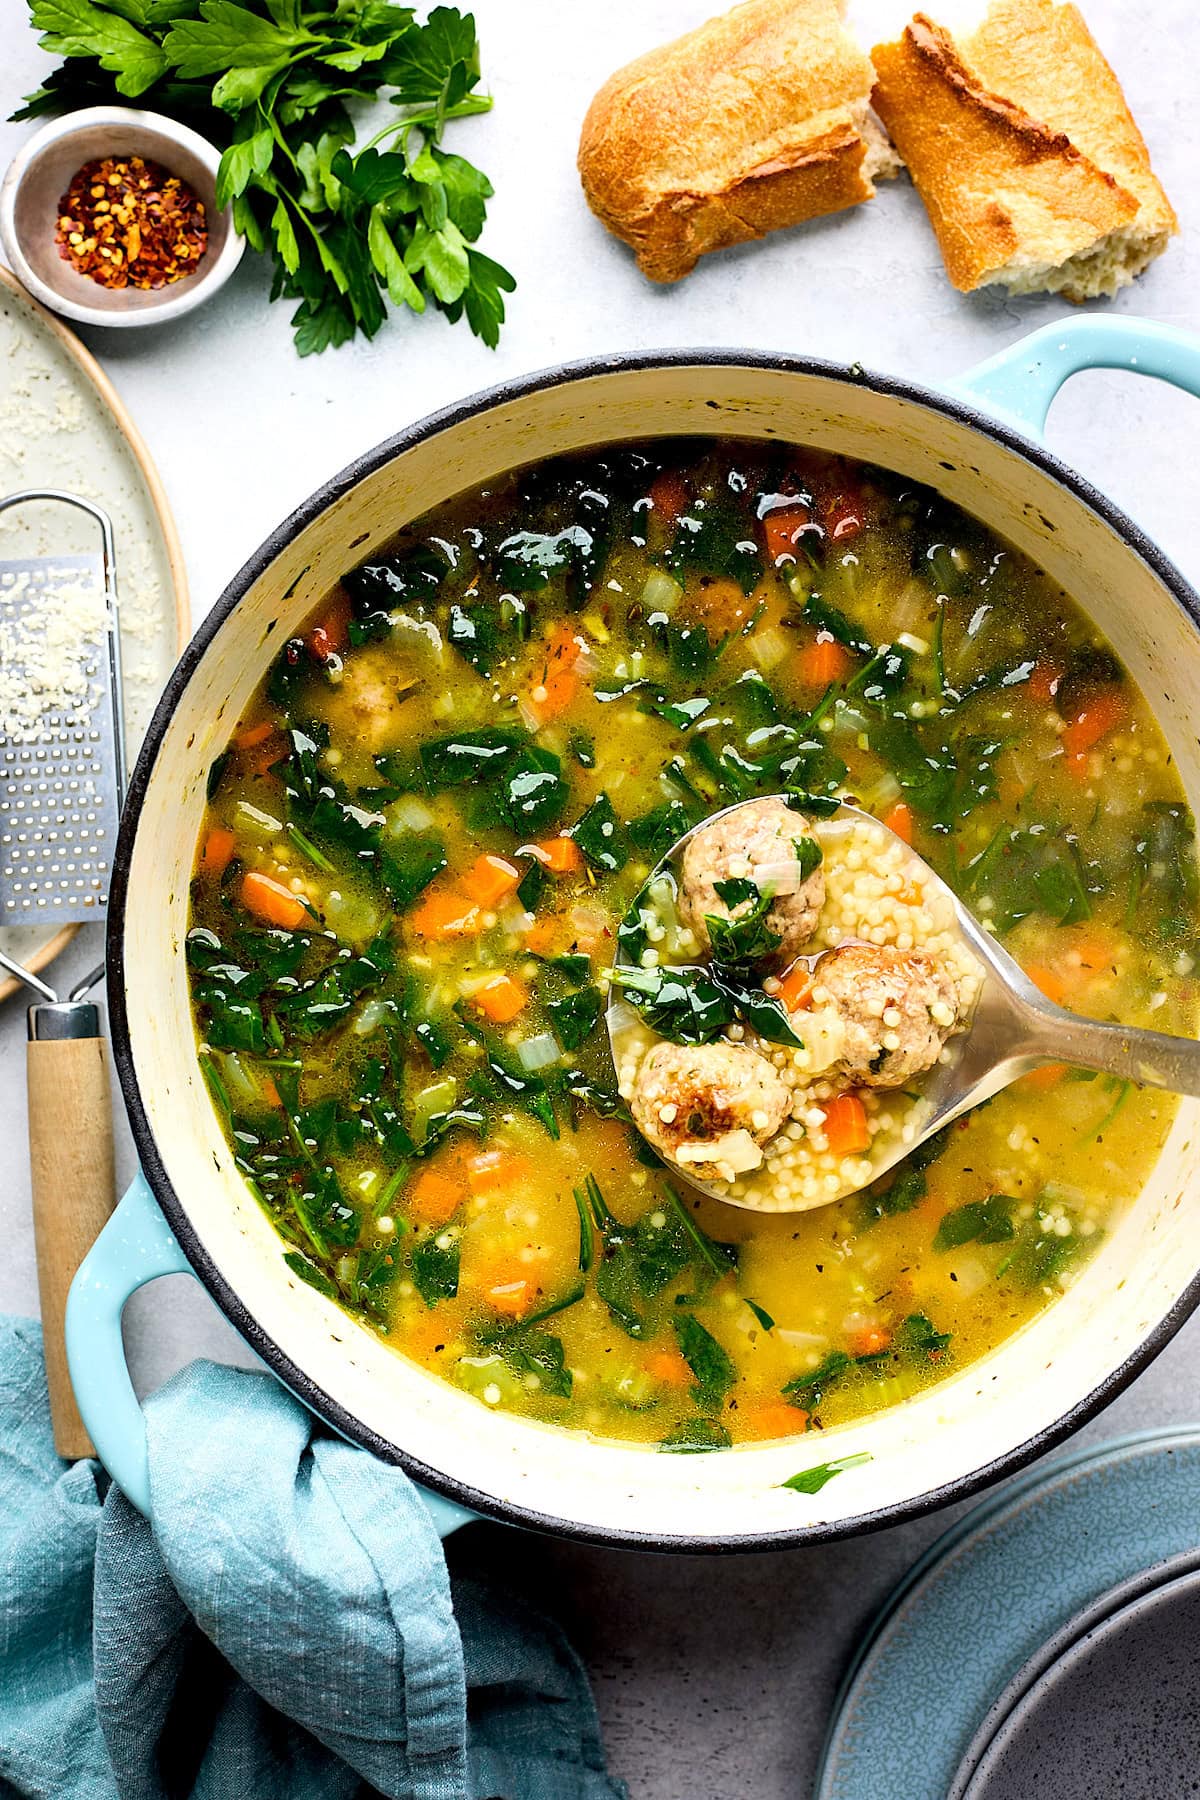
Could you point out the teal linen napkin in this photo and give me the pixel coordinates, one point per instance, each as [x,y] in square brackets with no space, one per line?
[286,1630]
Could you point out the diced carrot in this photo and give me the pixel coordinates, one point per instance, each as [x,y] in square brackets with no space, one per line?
[845,1125]
[270,1092]
[1043,1079]
[511,1297]
[795,989]
[500,999]
[493,1169]
[1048,982]
[843,516]
[870,1340]
[271,902]
[1101,713]
[1043,682]
[260,747]
[254,734]
[1095,947]
[721,606]
[446,913]
[669,497]
[331,634]
[771,1419]
[824,661]
[783,530]
[561,855]
[434,1197]
[556,680]
[542,937]
[1011,791]
[669,1367]
[490,879]
[899,819]
[217,853]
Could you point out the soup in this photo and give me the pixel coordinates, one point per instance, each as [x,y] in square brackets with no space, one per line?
[447,797]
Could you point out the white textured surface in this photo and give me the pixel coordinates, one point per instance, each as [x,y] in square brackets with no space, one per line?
[714,1678]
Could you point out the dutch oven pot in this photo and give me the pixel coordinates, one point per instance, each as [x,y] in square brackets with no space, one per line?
[978,444]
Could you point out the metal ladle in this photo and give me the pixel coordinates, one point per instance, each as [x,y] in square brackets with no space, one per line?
[1013,1029]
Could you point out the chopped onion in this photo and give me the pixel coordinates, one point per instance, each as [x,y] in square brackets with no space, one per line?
[255,821]
[372,1015]
[885,792]
[737,1150]
[539,1052]
[770,647]
[410,814]
[782,877]
[971,1274]
[802,1340]
[661,593]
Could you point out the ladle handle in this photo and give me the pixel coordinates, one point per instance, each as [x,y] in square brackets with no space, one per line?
[1149,1058]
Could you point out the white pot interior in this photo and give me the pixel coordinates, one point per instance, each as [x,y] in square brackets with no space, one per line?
[941,1437]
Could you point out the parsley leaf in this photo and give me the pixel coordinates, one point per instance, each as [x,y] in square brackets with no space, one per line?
[275,85]
[811,1481]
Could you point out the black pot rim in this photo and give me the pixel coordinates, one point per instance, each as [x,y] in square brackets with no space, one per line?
[243,1321]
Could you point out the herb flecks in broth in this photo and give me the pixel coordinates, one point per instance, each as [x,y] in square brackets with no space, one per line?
[431,822]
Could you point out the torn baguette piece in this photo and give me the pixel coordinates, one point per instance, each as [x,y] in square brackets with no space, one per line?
[755,121]
[1021,145]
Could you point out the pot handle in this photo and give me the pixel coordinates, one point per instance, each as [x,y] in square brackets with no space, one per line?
[136,1246]
[1019,384]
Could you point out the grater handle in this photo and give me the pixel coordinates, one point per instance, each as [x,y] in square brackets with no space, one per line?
[74,1187]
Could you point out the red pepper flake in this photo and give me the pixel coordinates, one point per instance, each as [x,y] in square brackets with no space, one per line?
[126,222]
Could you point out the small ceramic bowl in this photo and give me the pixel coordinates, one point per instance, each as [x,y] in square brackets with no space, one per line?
[40,174]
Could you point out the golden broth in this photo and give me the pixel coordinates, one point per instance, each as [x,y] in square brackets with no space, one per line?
[441,804]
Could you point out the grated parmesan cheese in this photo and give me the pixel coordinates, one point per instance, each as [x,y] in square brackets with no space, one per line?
[51,625]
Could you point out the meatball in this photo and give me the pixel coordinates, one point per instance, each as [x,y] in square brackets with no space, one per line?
[896,1008]
[366,704]
[709,1107]
[748,843]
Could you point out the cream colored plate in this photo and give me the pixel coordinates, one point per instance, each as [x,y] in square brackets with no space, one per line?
[63,425]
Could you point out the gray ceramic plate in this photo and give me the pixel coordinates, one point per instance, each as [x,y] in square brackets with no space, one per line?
[928,1684]
[1113,1712]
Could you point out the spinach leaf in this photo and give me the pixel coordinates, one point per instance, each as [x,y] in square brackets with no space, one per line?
[526,561]
[409,865]
[683,1004]
[713,1368]
[598,834]
[574,1016]
[656,831]
[435,1267]
[531,793]
[475,634]
[309,1272]
[978,1222]
[523,1085]
[708,539]
[681,713]
[463,758]
[693,1436]
[831,619]
[809,1389]
[916,1333]
[745,937]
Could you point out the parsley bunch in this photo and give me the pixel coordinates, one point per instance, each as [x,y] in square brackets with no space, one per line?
[274,81]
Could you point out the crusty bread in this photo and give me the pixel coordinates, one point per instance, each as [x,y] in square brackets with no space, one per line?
[754,121]
[1019,140]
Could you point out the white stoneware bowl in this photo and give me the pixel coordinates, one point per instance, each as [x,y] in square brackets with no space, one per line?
[976,445]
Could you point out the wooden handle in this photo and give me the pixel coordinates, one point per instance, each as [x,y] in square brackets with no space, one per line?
[74,1191]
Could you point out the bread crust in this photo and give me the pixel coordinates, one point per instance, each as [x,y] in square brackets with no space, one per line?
[1024,152]
[748,124]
